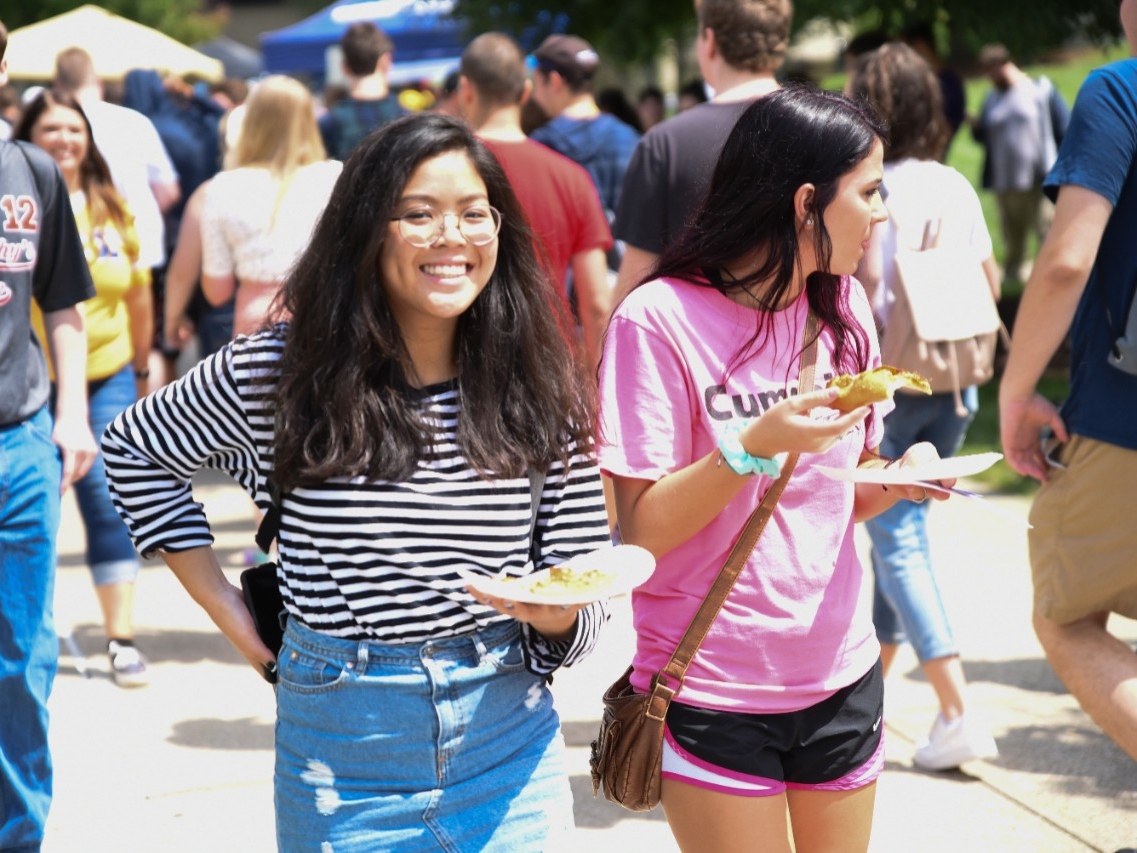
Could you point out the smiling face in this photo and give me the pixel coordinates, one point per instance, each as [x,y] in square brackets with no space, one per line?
[854,211]
[62,133]
[429,288]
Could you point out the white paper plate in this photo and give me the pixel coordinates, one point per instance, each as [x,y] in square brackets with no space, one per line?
[941,469]
[626,567]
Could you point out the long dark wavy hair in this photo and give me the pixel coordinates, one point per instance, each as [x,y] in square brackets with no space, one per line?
[344,405]
[794,136]
[905,92]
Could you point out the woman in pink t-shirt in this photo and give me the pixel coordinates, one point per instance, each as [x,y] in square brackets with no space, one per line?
[776,730]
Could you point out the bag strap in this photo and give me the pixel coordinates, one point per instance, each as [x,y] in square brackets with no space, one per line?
[536,486]
[667,681]
[269,527]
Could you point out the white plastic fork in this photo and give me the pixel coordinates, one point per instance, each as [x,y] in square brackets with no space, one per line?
[1006,513]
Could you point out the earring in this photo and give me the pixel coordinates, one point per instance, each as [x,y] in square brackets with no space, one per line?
[809,222]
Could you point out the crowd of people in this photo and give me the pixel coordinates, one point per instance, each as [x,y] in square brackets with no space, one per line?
[552,320]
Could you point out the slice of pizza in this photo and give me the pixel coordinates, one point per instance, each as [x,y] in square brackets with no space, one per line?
[874,386]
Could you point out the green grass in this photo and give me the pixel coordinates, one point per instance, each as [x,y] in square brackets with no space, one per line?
[966,155]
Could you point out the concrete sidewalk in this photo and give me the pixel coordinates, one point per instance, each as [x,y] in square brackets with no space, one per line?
[186,763]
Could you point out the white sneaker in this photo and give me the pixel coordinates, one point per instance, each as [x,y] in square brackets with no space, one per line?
[953,742]
[128,666]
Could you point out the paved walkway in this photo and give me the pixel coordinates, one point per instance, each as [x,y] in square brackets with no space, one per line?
[185,765]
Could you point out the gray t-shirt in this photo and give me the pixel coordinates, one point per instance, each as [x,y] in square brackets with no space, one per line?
[1018,152]
[41,257]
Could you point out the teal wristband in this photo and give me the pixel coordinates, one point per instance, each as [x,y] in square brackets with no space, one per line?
[741,462]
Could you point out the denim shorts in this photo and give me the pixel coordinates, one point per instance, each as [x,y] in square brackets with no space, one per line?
[446,745]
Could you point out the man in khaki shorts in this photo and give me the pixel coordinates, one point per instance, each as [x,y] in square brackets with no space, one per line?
[1083,546]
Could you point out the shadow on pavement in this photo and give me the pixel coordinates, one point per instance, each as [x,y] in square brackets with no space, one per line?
[213,733]
[175,645]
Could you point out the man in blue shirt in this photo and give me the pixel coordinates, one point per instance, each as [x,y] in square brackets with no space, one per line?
[601,143]
[1083,537]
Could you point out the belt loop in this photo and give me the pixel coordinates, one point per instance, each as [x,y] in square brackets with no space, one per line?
[361,658]
[479,646]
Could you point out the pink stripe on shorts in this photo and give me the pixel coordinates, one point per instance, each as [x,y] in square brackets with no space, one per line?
[680,765]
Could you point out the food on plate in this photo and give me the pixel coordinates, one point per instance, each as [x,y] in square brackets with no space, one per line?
[874,386]
[565,580]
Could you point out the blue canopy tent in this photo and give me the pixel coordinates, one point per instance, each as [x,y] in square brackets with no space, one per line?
[428,41]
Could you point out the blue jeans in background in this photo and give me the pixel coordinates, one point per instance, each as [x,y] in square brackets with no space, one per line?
[30,473]
[110,553]
[906,600]
[448,745]
[214,328]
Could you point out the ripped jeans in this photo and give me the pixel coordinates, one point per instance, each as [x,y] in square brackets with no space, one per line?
[448,745]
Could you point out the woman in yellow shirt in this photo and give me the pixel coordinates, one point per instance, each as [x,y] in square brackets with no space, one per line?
[119,326]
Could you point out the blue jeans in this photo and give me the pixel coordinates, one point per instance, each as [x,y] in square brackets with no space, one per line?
[110,553]
[214,328]
[906,600]
[30,473]
[447,745]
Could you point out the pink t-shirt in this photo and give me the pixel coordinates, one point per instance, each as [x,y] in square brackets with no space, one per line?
[796,627]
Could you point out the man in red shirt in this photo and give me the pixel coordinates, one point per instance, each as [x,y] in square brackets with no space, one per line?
[558,195]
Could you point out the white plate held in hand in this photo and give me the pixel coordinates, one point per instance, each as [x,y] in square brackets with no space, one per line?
[951,468]
[622,568]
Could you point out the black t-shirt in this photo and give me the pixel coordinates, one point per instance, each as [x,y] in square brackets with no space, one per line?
[670,172]
[41,257]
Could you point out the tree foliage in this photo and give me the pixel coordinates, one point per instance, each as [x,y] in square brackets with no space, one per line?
[183,20]
[623,30]
[1029,28]
[632,30]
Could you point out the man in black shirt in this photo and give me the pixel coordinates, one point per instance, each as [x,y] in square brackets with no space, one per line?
[739,46]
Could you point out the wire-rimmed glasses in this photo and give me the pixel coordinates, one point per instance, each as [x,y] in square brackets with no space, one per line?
[422,226]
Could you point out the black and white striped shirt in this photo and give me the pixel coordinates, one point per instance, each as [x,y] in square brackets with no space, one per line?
[365,560]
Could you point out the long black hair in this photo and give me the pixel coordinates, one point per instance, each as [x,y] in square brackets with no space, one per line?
[794,136]
[344,405]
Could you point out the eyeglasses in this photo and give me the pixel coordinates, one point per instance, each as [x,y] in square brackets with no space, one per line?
[422,226]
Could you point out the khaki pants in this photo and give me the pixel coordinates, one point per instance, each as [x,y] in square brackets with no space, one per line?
[1083,543]
[1020,213]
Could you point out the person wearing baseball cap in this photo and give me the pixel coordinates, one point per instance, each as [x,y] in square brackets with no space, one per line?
[578,129]
[557,195]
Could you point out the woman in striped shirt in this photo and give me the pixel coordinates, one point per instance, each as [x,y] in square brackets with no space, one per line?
[423,375]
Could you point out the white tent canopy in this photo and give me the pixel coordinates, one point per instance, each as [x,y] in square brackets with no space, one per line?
[116,45]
